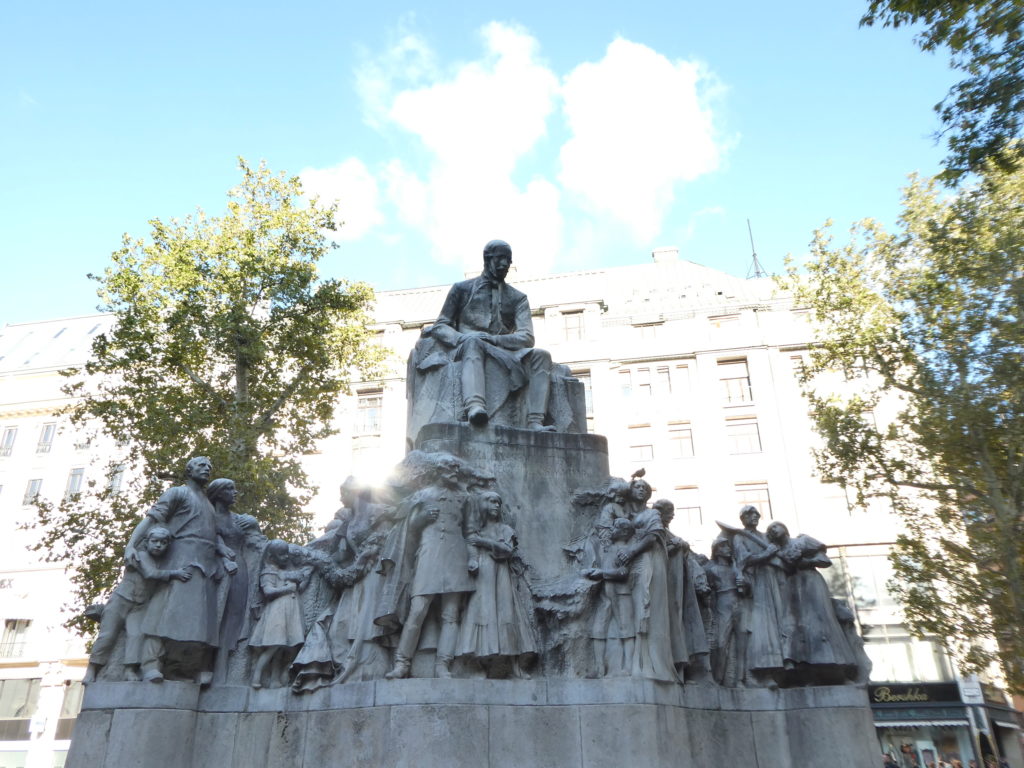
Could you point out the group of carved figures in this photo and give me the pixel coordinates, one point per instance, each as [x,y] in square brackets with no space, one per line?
[757,613]
[426,579]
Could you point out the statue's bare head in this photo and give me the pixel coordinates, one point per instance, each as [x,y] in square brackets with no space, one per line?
[666,510]
[497,259]
[199,469]
[722,548]
[777,533]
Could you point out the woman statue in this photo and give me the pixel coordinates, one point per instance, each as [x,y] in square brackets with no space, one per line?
[653,655]
[764,626]
[817,644]
[496,626]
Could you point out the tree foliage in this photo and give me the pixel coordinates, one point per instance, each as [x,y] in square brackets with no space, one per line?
[226,343]
[982,114]
[931,319]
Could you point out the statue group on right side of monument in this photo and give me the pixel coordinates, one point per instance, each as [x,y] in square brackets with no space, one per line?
[756,614]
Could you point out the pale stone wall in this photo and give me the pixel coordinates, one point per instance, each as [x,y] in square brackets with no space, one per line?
[473,724]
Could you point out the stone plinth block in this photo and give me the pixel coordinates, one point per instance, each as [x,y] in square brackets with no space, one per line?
[479,724]
[537,474]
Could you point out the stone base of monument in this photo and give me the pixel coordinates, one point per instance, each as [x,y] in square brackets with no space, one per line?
[473,723]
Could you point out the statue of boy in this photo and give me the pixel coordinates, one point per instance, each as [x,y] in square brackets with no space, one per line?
[123,610]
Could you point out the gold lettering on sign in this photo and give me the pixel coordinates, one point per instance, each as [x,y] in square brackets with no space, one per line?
[885,694]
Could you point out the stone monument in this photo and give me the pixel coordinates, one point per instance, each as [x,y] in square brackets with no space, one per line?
[502,600]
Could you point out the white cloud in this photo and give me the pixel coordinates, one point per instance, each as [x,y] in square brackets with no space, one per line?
[491,112]
[409,61]
[477,124]
[354,188]
[638,128]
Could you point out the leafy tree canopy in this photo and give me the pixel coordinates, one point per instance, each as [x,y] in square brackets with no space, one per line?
[931,319]
[226,344]
[982,114]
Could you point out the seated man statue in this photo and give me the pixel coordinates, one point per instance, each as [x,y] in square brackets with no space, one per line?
[477,362]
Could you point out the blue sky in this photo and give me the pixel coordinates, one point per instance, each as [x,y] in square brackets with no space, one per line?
[584,135]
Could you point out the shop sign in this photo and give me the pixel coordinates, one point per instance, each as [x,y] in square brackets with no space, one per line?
[970,690]
[914,693]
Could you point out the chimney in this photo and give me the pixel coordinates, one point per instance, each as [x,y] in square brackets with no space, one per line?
[665,255]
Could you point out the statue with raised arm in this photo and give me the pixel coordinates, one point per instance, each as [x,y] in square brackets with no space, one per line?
[478,363]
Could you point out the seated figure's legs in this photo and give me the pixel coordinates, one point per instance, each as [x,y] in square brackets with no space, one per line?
[472,355]
[538,366]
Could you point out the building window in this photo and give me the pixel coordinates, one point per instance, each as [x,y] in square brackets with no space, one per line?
[680,439]
[32,491]
[796,364]
[720,321]
[663,380]
[588,393]
[682,378]
[649,331]
[12,644]
[69,708]
[687,501]
[641,443]
[756,494]
[572,324]
[368,411]
[7,442]
[743,435]
[735,382]
[74,487]
[642,382]
[19,700]
[46,435]
[116,480]
[641,452]
[625,382]
[896,655]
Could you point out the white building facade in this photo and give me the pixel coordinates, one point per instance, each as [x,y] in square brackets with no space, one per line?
[691,374]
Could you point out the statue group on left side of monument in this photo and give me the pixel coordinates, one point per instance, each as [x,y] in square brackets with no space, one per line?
[425,578]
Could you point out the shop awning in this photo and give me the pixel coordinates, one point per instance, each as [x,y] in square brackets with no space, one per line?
[920,723]
[1004,724]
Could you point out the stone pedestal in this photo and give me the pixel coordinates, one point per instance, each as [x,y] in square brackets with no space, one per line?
[472,724]
[537,474]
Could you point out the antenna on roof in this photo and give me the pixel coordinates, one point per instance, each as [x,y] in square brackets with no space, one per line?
[756,270]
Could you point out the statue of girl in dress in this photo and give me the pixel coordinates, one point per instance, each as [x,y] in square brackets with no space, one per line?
[279,631]
[496,627]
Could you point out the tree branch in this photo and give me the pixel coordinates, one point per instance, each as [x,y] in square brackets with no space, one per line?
[267,416]
[205,386]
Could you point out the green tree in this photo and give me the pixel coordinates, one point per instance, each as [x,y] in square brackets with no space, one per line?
[930,321]
[226,343]
[983,114]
